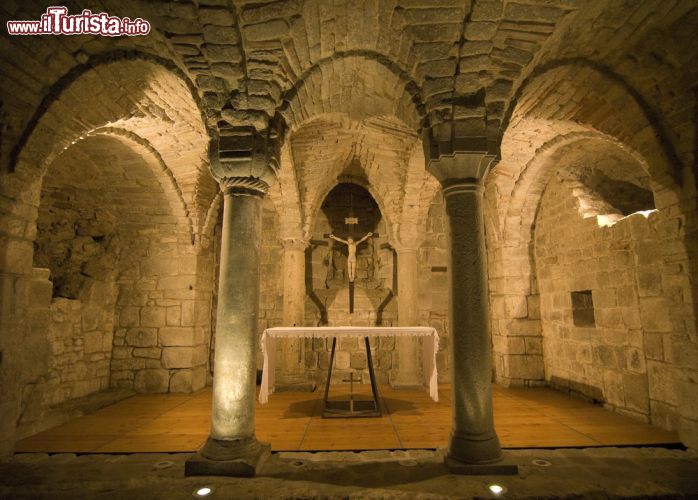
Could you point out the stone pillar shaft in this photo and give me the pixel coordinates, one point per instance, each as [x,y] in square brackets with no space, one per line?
[235,366]
[291,356]
[473,439]
[408,374]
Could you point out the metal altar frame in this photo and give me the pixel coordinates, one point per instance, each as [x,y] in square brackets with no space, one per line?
[351,408]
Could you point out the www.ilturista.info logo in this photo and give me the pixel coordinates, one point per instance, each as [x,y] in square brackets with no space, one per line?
[56,21]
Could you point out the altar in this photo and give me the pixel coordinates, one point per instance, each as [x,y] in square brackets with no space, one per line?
[271,335]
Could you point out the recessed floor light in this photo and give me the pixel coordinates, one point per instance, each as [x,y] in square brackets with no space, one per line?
[204,491]
[496,489]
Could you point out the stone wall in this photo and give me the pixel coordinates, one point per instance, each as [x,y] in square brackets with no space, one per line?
[433,283]
[131,294]
[626,354]
[73,346]
[161,341]
[75,255]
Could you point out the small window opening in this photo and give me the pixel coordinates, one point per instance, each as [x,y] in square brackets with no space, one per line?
[583,308]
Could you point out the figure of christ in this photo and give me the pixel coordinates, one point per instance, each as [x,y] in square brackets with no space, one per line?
[351,246]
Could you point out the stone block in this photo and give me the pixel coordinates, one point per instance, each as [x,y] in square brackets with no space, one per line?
[181,381]
[176,336]
[92,342]
[323,360]
[524,366]
[635,360]
[348,343]
[515,345]
[176,283]
[613,387]
[534,345]
[661,383]
[516,306]
[173,316]
[153,316]
[40,291]
[533,306]
[523,327]
[199,375]
[183,357]
[388,343]
[188,313]
[127,364]
[311,360]
[342,360]
[636,391]
[649,281]
[358,360]
[142,337]
[664,415]
[152,381]
[654,312]
[91,316]
[147,352]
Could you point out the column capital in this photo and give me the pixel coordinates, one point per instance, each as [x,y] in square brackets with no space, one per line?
[295,243]
[245,153]
[404,250]
[243,186]
[460,167]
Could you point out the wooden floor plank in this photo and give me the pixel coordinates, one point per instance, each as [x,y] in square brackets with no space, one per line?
[524,418]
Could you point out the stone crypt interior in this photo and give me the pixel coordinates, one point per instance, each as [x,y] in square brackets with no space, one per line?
[524,171]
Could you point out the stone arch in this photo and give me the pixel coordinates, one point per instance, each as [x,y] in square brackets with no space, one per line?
[138,94]
[602,98]
[386,90]
[525,198]
[322,195]
[115,242]
[285,195]
[420,188]
[163,173]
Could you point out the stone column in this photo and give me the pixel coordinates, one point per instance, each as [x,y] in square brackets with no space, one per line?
[408,374]
[473,439]
[232,448]
[292,376]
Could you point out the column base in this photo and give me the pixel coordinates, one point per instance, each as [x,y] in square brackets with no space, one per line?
[495,469]
[237,458]
[474,449]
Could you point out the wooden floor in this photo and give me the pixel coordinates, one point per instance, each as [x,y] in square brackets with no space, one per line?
[524,418]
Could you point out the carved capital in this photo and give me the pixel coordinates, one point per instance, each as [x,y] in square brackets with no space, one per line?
[454,167]
[244,186]
[245,154]
[295,243]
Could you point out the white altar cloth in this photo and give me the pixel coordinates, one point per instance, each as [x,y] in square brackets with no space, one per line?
[429,350]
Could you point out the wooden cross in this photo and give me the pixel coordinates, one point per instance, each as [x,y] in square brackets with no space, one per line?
[351,381]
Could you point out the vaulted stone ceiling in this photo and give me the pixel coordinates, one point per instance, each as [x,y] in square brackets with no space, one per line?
[451,68]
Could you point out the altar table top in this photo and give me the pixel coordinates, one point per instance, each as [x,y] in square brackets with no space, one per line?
[270,335]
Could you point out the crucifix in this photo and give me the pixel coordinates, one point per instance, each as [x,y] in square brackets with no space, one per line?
[351,247]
